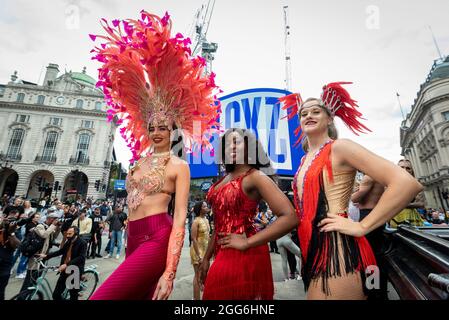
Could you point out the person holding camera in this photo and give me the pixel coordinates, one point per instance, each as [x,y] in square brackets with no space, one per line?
[45,231]
[8,244]
[73,254]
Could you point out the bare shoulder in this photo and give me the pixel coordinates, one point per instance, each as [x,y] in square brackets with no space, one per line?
[344,145]
[179,166]
[258,177]
[342,149]
[179,163]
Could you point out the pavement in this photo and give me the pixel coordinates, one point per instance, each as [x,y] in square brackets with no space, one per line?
[183,289]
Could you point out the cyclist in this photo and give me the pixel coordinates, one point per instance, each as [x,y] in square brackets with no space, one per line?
[74,255]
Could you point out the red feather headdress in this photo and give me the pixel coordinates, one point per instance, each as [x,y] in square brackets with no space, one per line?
[148,76]
[336,99]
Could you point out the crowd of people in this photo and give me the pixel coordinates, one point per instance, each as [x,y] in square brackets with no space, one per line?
[74,229]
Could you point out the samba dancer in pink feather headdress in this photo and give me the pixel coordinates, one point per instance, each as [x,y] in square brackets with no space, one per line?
[153,87]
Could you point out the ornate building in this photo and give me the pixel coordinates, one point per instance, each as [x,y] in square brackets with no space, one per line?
[425,135]
[55,138]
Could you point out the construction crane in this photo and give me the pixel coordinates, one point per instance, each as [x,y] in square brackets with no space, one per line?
[198,34]
[288,72]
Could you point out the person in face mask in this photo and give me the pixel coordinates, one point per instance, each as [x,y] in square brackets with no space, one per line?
[73,254]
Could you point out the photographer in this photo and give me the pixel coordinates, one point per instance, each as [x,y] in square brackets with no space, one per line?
[46,232]
[8,244]
[73,254]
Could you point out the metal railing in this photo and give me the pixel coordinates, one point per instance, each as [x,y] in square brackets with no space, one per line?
[10,157]
[51,159]
[79,160]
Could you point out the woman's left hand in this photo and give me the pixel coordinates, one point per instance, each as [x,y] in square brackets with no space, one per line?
[334,222]
[233,240]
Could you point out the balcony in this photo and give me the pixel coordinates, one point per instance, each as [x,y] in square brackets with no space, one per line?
[48,159]
[10,157]
[79,160]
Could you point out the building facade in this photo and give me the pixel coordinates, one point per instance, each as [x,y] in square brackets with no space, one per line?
[425,135]
[55,138]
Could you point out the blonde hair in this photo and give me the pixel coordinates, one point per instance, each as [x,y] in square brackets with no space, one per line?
[331,129]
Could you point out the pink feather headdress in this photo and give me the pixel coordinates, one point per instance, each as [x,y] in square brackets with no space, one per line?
[149,77]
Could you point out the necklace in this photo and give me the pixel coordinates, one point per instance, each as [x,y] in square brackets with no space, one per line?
[161,154]
[155,159]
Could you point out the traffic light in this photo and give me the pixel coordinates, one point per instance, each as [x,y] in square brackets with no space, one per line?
[56,187]
[445,194]
[97,184]
[38,181]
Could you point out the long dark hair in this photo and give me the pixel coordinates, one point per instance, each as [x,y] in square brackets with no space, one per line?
[256,157]
[197,208]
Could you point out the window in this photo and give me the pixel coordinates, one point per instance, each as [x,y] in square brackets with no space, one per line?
[98,105]
[15,143]
[55,122]
[23,118]
[40,99]
[20,97]
[446,115]
[83,147]
[50,146]
[88,124]
[79,103]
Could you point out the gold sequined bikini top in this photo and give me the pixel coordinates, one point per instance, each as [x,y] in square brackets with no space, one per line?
[150,183]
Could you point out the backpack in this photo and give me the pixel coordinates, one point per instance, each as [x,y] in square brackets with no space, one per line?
[32,244]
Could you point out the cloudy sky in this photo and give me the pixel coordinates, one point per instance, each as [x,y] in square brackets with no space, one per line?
[383,47]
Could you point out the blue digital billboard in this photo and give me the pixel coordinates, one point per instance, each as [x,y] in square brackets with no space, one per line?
[257,110]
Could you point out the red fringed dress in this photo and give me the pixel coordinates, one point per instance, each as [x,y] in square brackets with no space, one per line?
[235,274]
[327,255]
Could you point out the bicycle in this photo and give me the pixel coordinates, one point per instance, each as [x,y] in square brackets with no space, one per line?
[43,290]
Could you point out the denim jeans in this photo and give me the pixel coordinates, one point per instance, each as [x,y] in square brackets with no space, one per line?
[116,236]
[16,256]
[22,267]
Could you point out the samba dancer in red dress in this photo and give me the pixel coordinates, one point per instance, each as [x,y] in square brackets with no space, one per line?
[242,266]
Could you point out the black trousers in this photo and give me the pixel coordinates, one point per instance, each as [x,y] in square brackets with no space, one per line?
[3,283]
[273,246]
[376,239]
[61,286]
[291,258]
[96,246]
